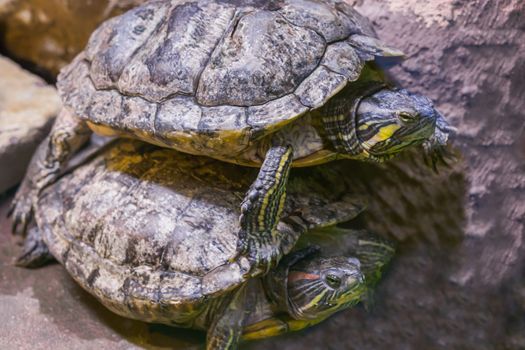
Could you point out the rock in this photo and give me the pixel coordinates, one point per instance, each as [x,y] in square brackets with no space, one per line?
[6,6]
[469,57]
[27,109]
[47,34]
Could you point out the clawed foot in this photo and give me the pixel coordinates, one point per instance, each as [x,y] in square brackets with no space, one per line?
[437,155]
[35,252]
[21,211]
[262,257]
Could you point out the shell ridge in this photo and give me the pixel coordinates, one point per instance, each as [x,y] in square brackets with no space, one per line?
[332,91]
[234,20]
[156,121]
[115,79]
[242,72]
[132,56]
[308,28]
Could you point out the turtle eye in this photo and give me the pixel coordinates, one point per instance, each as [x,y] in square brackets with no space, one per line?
[407,117]
[333,281]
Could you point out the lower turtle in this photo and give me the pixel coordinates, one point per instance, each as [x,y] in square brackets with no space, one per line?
[151,233]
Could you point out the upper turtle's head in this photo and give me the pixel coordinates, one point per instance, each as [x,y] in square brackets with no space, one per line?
[318,287]
[391,120]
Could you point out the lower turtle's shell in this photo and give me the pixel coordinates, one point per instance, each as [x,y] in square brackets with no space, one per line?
[146,230]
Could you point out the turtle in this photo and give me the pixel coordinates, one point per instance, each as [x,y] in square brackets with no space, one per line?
[262,83]
[107,222]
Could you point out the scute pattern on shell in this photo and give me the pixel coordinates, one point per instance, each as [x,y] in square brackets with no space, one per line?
[202,59]
[262,58]
[140,224]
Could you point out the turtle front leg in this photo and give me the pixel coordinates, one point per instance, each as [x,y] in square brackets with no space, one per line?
[259,239]
[67,135]
[35,252]
[227,325]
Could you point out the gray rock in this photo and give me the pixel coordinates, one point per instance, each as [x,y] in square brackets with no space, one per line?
[27,108]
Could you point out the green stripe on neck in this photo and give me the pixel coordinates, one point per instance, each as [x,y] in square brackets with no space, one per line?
[339,118]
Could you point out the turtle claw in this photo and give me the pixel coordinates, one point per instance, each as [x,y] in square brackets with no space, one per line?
[435,156]
[262,259]
[35,252]
[21,212]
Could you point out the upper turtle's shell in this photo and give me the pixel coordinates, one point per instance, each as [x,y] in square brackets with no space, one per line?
[213,66]
[143,228]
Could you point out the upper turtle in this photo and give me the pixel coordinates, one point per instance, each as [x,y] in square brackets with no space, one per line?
[212,77]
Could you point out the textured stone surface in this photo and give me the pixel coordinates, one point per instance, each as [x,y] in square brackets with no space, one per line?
[49,33]
[27,108]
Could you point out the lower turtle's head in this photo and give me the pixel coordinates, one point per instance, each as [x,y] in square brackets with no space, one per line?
[389,121]
[318,287]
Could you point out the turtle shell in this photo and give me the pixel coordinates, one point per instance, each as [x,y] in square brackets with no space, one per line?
[175,71]
[151,232]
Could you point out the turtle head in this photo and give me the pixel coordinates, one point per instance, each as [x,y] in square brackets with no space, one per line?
[318,287]
[391,120]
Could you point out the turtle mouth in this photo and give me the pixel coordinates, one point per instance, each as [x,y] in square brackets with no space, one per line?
[401,140]
[350,298]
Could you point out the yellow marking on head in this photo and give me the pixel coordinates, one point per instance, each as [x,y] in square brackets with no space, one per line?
[315,300]
[383,134]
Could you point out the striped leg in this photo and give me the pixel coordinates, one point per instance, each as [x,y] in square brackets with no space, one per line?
[66,136]
[226,329]
[261,210]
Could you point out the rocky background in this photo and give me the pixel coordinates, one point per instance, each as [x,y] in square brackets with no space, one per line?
[28,107]
[458,281]
[47,34]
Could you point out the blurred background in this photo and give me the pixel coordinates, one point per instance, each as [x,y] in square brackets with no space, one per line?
[458,280]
